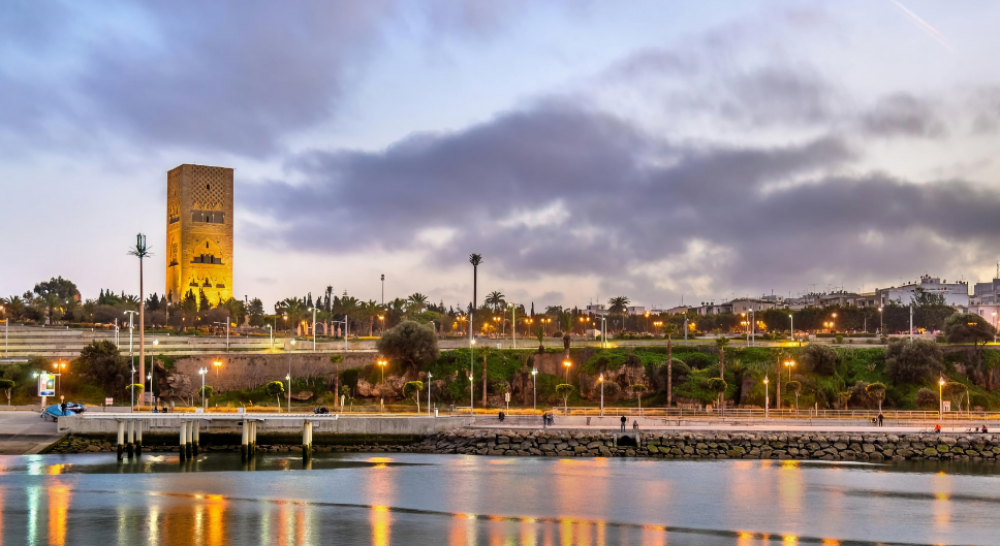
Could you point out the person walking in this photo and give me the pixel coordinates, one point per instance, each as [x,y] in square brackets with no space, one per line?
[624,420]
[880,419]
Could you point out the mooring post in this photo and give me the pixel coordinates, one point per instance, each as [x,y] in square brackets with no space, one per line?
[246,438]
[253,437]
[130,444]
[138,437]
[183,440]
[306,442]
[197,436]
[121,440]
[190,434]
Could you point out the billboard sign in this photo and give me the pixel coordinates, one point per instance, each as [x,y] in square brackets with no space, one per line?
[46,385]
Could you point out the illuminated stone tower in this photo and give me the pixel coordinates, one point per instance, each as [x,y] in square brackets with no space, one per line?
[200,232]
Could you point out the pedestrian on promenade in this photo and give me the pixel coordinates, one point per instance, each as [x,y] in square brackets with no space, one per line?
[937,428]
[635,424]
[984,428]
[624,420]
[880,419]
[501,416]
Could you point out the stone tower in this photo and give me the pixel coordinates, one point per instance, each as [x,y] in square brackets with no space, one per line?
[200,232]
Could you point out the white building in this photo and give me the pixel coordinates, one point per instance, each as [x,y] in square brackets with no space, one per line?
[955,294]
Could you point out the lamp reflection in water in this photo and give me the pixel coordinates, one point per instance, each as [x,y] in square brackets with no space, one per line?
[59,497]
[381,520]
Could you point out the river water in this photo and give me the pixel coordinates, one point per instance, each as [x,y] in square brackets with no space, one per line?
[459,500]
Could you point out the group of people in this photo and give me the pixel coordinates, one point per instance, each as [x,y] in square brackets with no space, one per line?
[877,420]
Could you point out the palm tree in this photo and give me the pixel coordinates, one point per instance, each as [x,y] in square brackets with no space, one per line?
[417,302]
[496,301]
[566,320]
[618,306]
[844,397]
[719,386]
[721,341]
[371,310]
[141,251]
[668,330]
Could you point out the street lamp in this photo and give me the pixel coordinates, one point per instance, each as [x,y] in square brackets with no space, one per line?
[601,381]
[270,330]
[789,364]
[941,399]
[881,328]
[60,367]
[202,373]
[429,377]
[472,394]
[791,326]
[767,396]
[382,362]
[381,319]
[534,390]
[289,379]
[217,365]
[472,364]
[567,363]
[149,376]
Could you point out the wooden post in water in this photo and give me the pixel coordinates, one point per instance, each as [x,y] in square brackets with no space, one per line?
[130,445]
[197,436]
[138,438]
[183,440]
[190,444]
[121,440]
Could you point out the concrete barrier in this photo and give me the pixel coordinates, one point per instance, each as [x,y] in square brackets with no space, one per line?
[227,429]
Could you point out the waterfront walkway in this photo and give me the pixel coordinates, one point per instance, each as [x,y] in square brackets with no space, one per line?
[24,433]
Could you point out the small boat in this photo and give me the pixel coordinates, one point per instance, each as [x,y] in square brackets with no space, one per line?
[55,411]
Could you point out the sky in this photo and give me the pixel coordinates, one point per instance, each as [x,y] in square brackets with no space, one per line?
[667,151]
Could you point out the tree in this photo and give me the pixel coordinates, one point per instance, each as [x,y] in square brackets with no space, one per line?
[820,359]
[843,397]
[913,362]
[876,391]
[410,343]
[566,321]
[721,341]
[618,305]
[564,391]
[7,386]
[668,330]
[62,288]
[795,387]
[969,328]
[135,390]
[956,391]
[206,392]
[496,300]
[638,389]
[141,251]
[416,302]
[926,398]
[540,336]
[413,388]
[502,388]
[346,391]
[719,386]
[275,388]
[100,364]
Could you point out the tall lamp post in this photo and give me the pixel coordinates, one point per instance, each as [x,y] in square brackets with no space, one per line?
[767,397]
[567,363]
[789,364]
[314,329]
[149,377]
[270,330]
[941,399]
[202,373]
[59,367]
[534,390]
[381,401]
[472,364]
[513,325]
[289,379]
[601,381]
[881,326]
[791,326]
[429,377]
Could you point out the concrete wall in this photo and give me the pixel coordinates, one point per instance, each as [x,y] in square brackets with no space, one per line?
[326,430]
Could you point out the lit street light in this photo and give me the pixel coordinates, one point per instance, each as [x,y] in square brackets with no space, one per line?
[789,364]
[567,363]
[601,381]
[217,364]
[941,399]
[767,397]
[202,373]
[534,390]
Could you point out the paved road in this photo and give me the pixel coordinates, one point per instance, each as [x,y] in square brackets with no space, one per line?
[24,433]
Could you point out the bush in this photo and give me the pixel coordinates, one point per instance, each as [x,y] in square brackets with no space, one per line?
[820,359]
[941,338]
[927,398]
[411,344]
[698,360]
[839,338]
[913,362]
[611,390]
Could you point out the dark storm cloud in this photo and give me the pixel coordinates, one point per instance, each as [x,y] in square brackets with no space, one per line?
[225,75]
[630,201]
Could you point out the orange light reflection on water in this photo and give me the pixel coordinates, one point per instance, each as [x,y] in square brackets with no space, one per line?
[58,509]
[381,519]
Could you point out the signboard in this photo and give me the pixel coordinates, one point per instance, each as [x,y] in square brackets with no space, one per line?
[46,384]
[241,410]
[947,405]
[109,401]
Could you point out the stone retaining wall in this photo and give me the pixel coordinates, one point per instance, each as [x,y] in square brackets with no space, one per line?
[711,445]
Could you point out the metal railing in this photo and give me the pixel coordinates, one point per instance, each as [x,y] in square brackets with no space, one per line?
[756,413]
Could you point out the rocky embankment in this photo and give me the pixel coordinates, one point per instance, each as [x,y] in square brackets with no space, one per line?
[712,445]
[665,445]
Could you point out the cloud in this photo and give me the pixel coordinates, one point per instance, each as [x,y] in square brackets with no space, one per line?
[649,215]
[903,114]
